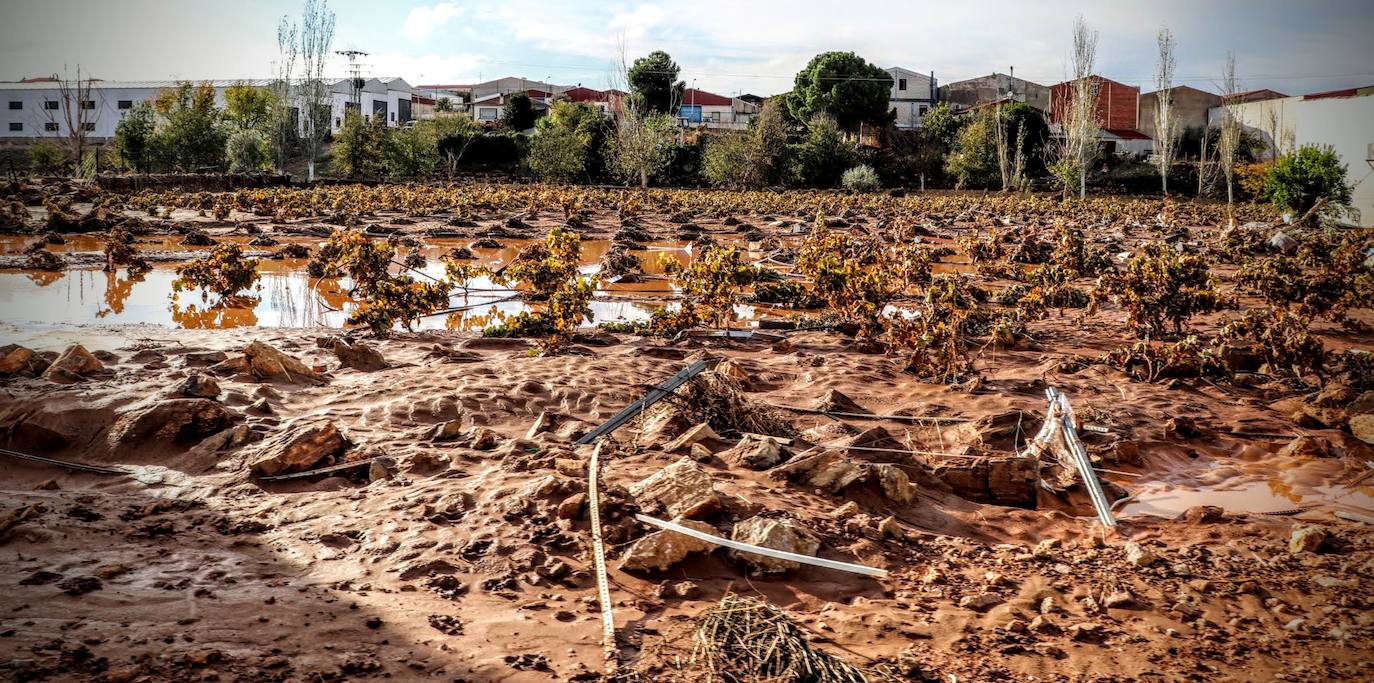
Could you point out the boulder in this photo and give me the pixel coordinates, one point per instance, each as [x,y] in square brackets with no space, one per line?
[663,549]
[1362,426]
[662,424]
[1307,539]
[23,362]
[778,533]
[1139,556]
[297,450]
[176,420]
[197,385]
[268,363]
[72,366]
[358,355]
[895,483]
[755,452]
[1308,446]
[682,488]
[836,402]
[827,470]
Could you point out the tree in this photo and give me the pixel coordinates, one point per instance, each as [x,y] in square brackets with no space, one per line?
[654,84]
[558,153]
[843,86]
[358,147]
[641,145]
[248,107]
[411,151]
[247,151]
[1229,137]
[191,134]
[444,104]
[973,161]
[316,37]
[285,114]
[824,154]
[518,114]
[1311,178]
[1166,118]
[940,124]
[1078,115]
[74,117]
[135,137]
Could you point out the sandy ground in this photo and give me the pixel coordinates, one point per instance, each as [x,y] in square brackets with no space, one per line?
[457,566]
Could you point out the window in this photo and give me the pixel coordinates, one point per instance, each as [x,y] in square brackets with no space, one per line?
[88,104]
[50,104]
[393,116]
[126,104]
[16,126]
[924,109]
[50,126]
[901,84]
[16,105]
[88,126]
[486,113]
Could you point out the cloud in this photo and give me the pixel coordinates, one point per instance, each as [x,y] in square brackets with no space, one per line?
[422,20]
[426,68]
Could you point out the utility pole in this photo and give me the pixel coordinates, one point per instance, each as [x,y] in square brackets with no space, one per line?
[355,77]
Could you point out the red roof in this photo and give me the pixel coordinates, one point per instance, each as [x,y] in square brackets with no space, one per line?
[581,94]
[692,96]
[1345,92]
[419,99]
[1253,96]
[1128,134]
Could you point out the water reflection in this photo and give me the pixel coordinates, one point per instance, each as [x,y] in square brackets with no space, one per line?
[117,290]
[235,312]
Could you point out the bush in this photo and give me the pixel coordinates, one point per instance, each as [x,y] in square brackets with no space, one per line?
[45,156]
[358,148]
[224,272]
[730,161]
[134,138]
[247,151]
[1298,181]
[861,178]
[824,155]
[411,152]
[1159,286]
[557,154]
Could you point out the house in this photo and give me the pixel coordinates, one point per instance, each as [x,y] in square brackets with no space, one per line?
[1117,108]
[993,87]
[718,112]
[35,109]
[913,94]
[490,107]
[1338,118]
[601,99]
[1254,96]
[1190,107]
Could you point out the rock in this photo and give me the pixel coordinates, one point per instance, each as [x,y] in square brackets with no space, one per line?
[73,365]
[1127,452]
[1281,242]
[697,434]
[176,420]
[889,528]
[895,483]
[778,533]
[22,362]
[1362,405]
[835,402]
[1181,426]
[299,449]
[481,439]
[1362,427]
[267,363]
[662,424]
[1138,556]
[1044,550]
[755,453]
[1203,514]
[1086,630]
[1119,599]
[828,470]
[849,509]
[663,548]
[572,506]
[380,469]
[1042,624]
[980,602]
[197,385]
[446,431]
[1308,446]
[358,355]
[683,488]
[1307,539]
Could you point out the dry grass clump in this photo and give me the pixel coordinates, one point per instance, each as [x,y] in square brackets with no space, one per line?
[716,399]
[744,639]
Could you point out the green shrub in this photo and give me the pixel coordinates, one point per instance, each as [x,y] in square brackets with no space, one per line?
[45,156]
[861,178]
[247,151]
[1299,180]
[557,153]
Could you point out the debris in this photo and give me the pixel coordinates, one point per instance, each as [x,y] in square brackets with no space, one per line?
[747,639]
[603,591]
[1307,539]
[358,355]
[716,399]
[74,466]
[835,402]
[1138,556]
[755,452]
[177,420]
[980,602]
[653,396]
[382,461]
[1362,426]
[776,533]
[197,385]
[769,552]
[23,362]
[701,432]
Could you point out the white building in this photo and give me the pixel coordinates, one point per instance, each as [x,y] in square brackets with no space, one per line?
[913,94]
[716,112]
[36,110]
[1342,119]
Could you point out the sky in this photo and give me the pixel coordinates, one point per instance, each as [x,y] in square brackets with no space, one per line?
[728,47]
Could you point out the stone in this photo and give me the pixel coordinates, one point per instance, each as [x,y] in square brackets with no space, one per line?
[446,431]
[1362,405]
[1138,556]
[1182,427]
[1120,599]
[827,470]
[1045,549]
[778,533]
[836,402]
[1086,630]
[1309,447]
[22,362]
[1202,514]
[572,506]
[73,365]
[176,420]
[299,449]
[754,452]
[849,509]
[1127,452]
[1281,242]
[1307,538]
[481,438]
[889,528]
[682,488]
[696,434]
[663,548]
[197,385]
[1362,427]
[1042,624]
[980,602]
[894,482]
[265,362]
[358,355]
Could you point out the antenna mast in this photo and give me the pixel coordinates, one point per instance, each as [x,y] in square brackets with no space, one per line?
[355,75]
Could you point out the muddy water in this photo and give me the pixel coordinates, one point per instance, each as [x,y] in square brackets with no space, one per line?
[286,296]
[1267,485]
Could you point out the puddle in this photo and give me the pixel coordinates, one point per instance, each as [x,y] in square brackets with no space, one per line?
[1269,485]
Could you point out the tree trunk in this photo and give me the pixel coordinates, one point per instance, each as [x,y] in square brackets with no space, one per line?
[1082,182]
[643,178]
